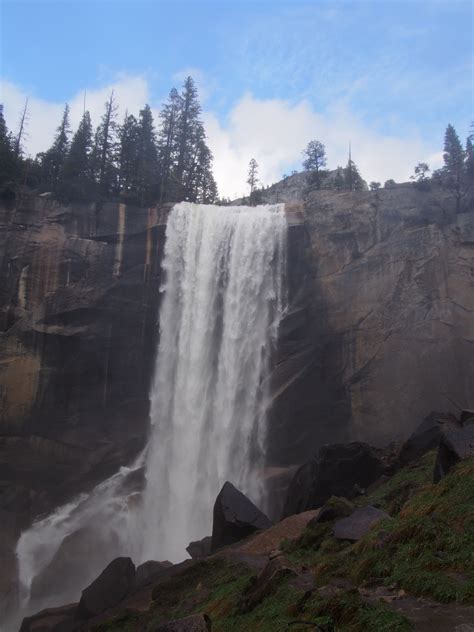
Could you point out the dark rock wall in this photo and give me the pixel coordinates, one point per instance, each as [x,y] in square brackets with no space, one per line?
[79,291]
[380,328]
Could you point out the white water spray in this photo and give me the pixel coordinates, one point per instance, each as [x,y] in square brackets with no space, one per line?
[218,323]
[223,299]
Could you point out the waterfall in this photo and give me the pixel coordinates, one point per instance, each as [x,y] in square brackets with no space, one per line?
[222,301]
[218,323]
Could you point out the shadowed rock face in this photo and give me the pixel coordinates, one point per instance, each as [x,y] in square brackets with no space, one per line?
[78,309]
[235,517]
[381,323]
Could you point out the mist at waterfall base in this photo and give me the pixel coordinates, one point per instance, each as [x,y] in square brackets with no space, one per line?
[222,301]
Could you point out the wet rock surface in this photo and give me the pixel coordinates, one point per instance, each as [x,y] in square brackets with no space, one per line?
[336,470]
[333,509]
[455,445]
[427,436]
[266,582]
[78,304]
[359,523]
[60,619]
[70,565]
[380,327]
[149,571]
[109,589]
[235,517]
[200,548]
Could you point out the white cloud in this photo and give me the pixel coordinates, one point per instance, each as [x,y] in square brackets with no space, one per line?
[44,117]
[273,131]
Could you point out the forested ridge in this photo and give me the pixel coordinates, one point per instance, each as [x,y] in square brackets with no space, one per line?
[142,162]
[133,160]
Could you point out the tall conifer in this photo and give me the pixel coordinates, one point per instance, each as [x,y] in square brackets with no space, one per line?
[55,157]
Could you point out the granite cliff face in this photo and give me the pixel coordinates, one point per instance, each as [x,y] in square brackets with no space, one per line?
[79,297]
[379,331]
[381,325]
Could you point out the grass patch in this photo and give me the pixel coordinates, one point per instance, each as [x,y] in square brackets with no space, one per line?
[427,549]
[125,622]
[347,611]
[403,485]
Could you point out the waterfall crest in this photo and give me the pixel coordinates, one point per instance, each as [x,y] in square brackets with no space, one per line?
[222,302]
[218,323]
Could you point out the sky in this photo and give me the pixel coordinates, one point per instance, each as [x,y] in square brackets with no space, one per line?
[385,75]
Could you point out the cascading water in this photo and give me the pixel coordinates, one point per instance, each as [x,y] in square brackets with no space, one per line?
[219,317]
[218,322]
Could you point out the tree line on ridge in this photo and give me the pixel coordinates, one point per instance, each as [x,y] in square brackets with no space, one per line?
[128,160]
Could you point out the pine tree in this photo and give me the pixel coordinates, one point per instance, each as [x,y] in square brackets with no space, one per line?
[167,149]
[315,153]
[339,179]
[453,164]
[189,125]
[469,161]
[128,157]
[422,180]
[54,159]
[252,177]
[147,157]
[9,166]
[104,153]
[17,144]
[352,177]
[184,158]
[78,177]
[204,186]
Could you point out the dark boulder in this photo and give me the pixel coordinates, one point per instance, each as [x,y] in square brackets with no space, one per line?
[337,470]
[427,436]
[453,447]
[235,517]
[51,620]
[467,416]
[108,589]
[358,524]
[266,582]
[200,548]
[195,623]
[77,561]
[333,509]
[149,571]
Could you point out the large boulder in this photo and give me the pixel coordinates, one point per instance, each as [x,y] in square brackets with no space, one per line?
[266,582]
[467,416]
[195,623]
[235,517]
[60,619]
[200,548]
[77,561]
[149,571]
[108,589]
[454,447]
[336,470]
[358,524]
[333,509]
[427,436]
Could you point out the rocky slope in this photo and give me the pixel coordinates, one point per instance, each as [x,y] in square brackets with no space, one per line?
[396,557]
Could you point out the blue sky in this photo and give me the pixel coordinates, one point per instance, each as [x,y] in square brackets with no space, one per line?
[388,74]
